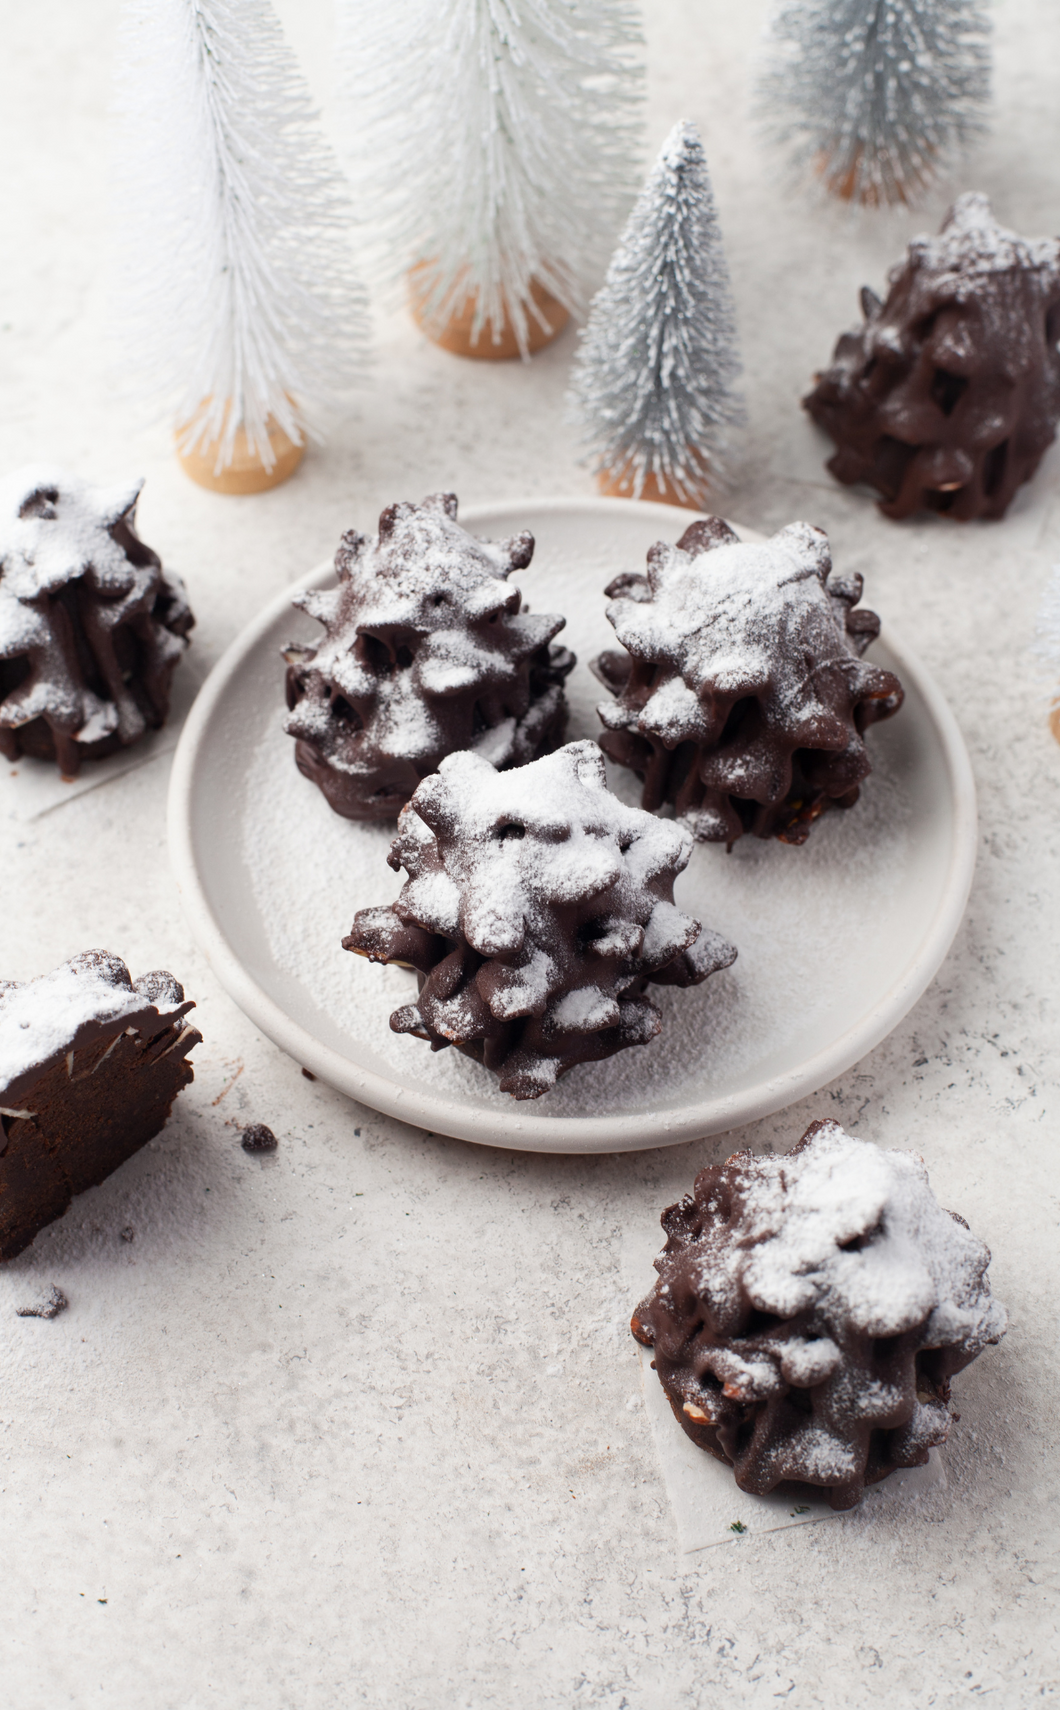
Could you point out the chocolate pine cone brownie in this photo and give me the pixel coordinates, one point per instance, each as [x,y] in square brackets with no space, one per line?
[536,910]
[742,698]
[948,395]
[91,627]
[427,651]
[90,1063]
[811,1310]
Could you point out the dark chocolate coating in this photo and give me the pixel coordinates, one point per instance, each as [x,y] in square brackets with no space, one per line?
[93,1102]
[257,1137]
[763,699]
[428,652]
[92,639]
[557,977]
[809,1395]
[947,396]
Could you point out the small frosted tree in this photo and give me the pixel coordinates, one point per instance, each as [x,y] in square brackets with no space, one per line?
[493,145]
[237,300]
[653,381]
[875,94]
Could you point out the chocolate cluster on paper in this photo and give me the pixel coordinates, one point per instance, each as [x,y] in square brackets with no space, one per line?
[811,1310]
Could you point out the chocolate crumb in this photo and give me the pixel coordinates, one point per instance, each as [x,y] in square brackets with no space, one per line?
[50,1307]
[258,1138]
[128,1233]
[309,1075]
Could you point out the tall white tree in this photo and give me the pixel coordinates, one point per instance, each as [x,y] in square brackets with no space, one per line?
[653,380]
[875,94]
[237,296]
[493,144]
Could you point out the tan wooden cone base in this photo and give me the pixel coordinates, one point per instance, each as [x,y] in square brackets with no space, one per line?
[621,487]
[246,473]
[842,185]
[456,333]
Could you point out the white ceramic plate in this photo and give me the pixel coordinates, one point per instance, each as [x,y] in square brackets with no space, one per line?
[837,940]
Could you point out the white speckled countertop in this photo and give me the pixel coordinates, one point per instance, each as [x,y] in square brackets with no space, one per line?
[361,1423]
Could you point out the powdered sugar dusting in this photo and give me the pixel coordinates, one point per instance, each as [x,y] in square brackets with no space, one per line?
[736,619]
[856,1233]
[972,242]
[56,529]
[47,1016]
[427,650]
[563,901]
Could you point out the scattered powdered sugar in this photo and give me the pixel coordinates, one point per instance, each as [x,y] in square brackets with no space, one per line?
[46,1017]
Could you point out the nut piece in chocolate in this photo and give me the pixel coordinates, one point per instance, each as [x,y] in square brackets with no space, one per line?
[427,651]
[947,396]
[536,910]
[811,1310]
[90,1063]
[91,626]
[742,698]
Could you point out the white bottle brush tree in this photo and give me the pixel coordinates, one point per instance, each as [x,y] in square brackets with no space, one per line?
[653,381]
[876,94]
[238,303]
[493,147]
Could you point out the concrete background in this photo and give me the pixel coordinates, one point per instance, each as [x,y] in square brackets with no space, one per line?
[361,1423]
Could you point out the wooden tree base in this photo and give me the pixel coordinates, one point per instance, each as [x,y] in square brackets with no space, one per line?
[245,473]
[845,186]
[621,487]
[455,335]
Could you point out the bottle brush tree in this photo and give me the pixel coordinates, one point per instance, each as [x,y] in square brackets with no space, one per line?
[493,146]
[875,94]
[653,380]
[239,307]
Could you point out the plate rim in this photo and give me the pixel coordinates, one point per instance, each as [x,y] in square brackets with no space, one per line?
[520,1129]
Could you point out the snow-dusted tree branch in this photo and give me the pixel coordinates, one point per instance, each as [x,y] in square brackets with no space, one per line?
[652,386]
[493,143]
[875,94]
[237,297]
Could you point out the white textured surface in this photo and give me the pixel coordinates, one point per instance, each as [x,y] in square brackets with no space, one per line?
[302,1476]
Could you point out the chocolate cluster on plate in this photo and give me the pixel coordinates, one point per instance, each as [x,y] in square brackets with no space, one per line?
[537,909]
[427,651]
[742,698]
[90,1063]
[947,396]
[91,627]
[811,1310]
